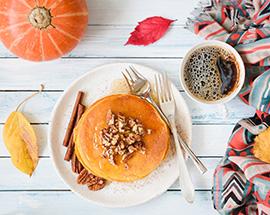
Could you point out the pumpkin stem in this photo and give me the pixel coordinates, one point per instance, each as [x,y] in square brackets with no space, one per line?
[41,88]
[40,17]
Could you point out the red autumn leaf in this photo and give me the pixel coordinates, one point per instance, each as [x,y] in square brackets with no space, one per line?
[149,31]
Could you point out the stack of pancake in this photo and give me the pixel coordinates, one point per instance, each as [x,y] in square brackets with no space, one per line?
[88,145]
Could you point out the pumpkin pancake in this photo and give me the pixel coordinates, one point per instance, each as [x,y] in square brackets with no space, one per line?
[88,141]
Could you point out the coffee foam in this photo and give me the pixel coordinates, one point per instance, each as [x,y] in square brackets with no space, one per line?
[201,73]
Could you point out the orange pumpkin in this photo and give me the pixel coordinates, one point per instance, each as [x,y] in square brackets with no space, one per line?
[40,30]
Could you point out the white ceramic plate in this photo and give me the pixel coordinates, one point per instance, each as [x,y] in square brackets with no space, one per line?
[97,84]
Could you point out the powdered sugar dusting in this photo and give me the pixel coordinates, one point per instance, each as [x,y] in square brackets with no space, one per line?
[120,188]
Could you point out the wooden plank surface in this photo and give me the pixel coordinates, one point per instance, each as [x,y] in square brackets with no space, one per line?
[38,110]
[129,12]
[108,42]
[30,75]
[110,23]
[44,203]
[45,178]
[208,140]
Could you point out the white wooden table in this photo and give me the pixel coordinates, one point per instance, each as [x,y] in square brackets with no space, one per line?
[110,23]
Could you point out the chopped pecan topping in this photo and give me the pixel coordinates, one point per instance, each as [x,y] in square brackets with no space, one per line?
[122,137]
[98,186]
[93,182]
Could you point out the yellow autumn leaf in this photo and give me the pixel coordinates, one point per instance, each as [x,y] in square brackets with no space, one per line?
[20,139]
[262,146]
[21,142]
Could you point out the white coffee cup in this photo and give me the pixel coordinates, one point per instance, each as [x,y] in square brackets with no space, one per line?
[239,61]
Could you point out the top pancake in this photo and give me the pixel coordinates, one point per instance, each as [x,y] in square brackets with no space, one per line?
[88,143]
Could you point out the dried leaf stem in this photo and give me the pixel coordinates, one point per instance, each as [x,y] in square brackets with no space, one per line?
[41,88]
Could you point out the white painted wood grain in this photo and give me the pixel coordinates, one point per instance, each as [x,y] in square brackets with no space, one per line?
[17,74]
[108,41]
[208,140]
[44,203]
[46,178]
[39,108]
[110,23]
[122,12]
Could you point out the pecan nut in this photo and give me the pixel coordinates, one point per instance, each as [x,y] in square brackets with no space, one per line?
[122,137]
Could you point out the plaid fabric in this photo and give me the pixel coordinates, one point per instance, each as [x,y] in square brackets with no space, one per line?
[241,182]
[244,24]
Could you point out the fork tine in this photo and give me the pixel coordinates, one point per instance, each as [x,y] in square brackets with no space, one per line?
[169,87]
[166,90]
[128,81]
[135,71]
[161,85]
[130,77]
[157,87]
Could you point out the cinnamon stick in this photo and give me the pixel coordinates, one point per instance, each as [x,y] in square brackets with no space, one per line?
[70,149]
[81,109]
[73,163]
[77,165]
[80,167]
[71,123]
[71,144]
[70,155]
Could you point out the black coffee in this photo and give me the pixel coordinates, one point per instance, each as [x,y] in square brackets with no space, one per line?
[211,73]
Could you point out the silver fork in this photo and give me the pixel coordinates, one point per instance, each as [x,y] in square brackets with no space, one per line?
[167,105]
[140,86]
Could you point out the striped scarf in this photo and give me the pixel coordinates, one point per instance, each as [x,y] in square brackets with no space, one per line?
[241,182]
[244,24]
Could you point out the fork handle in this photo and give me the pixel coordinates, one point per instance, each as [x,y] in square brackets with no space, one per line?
[151,101]
[185,182]
[197,162]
